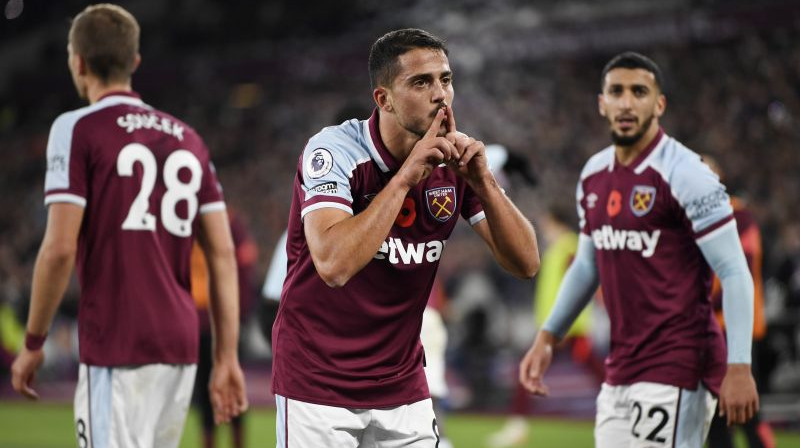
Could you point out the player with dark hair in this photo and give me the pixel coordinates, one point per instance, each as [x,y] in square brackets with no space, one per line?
[653,219]
[367,228]
[128,188]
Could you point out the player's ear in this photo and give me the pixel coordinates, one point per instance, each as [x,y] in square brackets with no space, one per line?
[601,107]
[661,105]
[382,99]
[81,65]
[136,61]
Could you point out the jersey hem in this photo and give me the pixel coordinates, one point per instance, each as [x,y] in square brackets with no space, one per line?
[65,197]
[354,405]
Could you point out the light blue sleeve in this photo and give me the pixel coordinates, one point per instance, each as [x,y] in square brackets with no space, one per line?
[723,251]
[329,159]
[698,190]
[576,290]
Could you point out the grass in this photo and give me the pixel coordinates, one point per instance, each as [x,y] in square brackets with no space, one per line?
[43,425]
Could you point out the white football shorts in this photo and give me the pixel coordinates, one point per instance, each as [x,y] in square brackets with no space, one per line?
[653,415]
[141,406]
[434,340]
[301,424]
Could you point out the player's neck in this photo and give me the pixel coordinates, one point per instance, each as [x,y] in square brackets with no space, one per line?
[627,154]
[397,139]
[96,90]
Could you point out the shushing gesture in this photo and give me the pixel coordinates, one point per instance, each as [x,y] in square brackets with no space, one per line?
[471,162]
[428,152]
[462,153]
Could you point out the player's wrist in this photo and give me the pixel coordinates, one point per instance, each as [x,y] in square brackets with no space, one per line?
[34,342]
[739,368]
[397,182]
[485,185]
[547,338]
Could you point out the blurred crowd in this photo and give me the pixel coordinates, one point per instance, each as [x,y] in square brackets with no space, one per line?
[258,83]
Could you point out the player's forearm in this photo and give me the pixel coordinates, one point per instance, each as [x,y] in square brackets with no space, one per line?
[576,290]
[224,302]
[51,275]
[723,252]
[513,239]
[347,246]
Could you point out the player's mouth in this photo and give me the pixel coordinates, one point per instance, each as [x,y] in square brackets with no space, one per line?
[626,123]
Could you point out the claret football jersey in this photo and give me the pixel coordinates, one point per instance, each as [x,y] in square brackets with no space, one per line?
[645,221]
[358,346]
[142,177]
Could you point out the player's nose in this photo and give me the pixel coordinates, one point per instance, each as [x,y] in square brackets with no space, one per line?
[439,92]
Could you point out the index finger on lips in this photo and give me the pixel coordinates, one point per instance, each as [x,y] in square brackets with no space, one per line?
[433,130]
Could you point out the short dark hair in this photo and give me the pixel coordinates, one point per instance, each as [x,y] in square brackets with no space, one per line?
[106,36]
[383,66]
[633,60]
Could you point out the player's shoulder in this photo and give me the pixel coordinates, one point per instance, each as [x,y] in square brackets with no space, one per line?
[681,167]
[343,144]
[674,158]
[346,139]
[177,127]
[600,161]
[66,122]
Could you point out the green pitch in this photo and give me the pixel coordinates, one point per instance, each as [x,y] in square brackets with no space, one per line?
[42,425]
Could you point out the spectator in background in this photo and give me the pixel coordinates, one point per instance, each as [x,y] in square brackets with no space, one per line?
[246,257]
[273,285]
[12,335]
[757,432]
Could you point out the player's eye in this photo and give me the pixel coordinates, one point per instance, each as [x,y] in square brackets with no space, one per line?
[447,80]
[640,91]
[420,82]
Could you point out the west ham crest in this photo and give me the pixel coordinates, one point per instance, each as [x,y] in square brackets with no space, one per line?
[642,199]
[441,202]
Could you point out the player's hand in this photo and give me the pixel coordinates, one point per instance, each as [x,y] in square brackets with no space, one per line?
[227,390]
[535,363]
[23,371]
[428,152]
[471,162]
[738,397]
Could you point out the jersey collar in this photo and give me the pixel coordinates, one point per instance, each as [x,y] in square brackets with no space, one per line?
[121,97]
[385,160]
[130,94]
[642,160]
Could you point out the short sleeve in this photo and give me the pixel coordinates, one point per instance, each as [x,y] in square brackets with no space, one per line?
[326,171]
[701,195]
[66,177]
[210,196]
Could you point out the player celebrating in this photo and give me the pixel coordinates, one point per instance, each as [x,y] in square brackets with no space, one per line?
[653,218]
[128,188]
[374,203]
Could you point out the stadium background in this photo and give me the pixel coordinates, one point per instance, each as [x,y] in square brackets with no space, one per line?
[256,79]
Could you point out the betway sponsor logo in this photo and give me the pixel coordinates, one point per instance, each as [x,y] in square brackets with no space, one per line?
[609,238]
[409,253]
